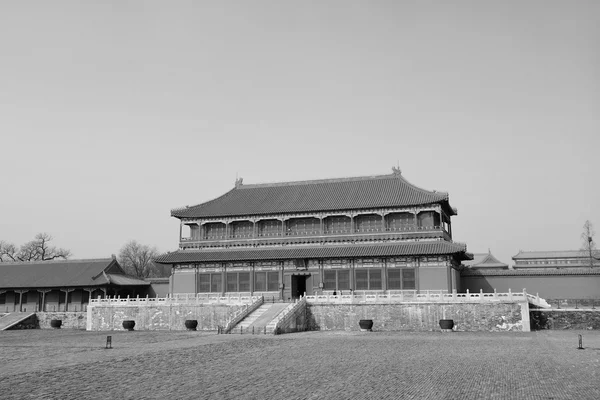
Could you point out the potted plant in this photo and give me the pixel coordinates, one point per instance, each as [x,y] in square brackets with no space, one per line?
[366,325]
[191,324]
[56,323]
[128,324]
[446,324]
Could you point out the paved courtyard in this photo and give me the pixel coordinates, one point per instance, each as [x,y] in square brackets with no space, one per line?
[63,364]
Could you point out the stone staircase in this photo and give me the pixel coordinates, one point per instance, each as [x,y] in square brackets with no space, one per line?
[13,318]
[261,317]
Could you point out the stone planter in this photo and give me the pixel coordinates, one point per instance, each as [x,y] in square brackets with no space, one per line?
[366,325]
[56,323]
[191,324]
[128,324]
[446,325]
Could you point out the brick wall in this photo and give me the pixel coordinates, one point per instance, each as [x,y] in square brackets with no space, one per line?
[160,317]
[565,319]
[418,316]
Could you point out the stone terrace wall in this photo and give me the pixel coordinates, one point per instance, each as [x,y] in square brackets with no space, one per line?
[420,316]
[160,317]
[564,319]
[70,320]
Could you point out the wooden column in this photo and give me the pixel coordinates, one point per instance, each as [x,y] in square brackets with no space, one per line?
[252,279]
[223,278]
[67,291]
[21,298]
[384,284]
[43,292]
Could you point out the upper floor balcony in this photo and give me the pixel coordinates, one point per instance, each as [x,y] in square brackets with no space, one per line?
[257,235]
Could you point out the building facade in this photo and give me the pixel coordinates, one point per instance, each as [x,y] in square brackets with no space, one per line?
[64,285]
[374,234]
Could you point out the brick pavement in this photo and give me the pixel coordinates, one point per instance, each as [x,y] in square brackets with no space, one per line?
[66,364]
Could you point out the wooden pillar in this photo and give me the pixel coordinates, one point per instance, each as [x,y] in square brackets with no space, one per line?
[180,230]
[223,278]
[352,224]
[43,292]
[383,223]
[252,279]
[321,227]
[384,284]
[281,280]
[20,299]
[282,227]
[254,233]
[226,230]
[67,291]
[352,277]
[195,278]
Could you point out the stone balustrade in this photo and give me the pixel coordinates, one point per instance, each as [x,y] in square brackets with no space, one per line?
[185,298]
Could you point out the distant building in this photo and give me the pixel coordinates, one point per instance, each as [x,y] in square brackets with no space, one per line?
[374,233]
[554,259]
[551,274]
[63,285]
[484,261]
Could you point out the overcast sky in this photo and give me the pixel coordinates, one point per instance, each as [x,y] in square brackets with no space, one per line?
[114,112]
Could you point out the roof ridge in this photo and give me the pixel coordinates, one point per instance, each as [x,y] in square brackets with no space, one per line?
[316,181]
[56,261]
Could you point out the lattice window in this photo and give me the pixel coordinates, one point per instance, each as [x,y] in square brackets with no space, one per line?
[269,227]
[214,230]
[241,229]
[368,223]
[299,226]
[401,279]
[399,221]
[368,279]
[209,283]
[337,224]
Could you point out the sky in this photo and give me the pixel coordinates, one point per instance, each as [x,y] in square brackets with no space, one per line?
[113,113]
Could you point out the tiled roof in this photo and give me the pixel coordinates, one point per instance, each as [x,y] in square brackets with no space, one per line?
[319,195]
[124,280]
[485,260]
[339,251]
[525,255]
[524,272]
[59,273]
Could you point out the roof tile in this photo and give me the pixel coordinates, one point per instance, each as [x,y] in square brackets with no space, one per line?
[320,195]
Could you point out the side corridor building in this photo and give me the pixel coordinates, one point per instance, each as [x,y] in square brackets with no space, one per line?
[374,233]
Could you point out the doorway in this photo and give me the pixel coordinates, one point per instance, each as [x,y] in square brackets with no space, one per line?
[299,285]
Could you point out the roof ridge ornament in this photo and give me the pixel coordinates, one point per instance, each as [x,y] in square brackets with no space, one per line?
[239,182]
[396,171]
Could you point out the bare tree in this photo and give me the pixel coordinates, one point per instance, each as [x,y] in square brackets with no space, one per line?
[588,244]
[8,252]
[137,259]
[39,249]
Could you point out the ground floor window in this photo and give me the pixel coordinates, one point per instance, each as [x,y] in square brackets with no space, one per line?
[266,281]
[368,279]
[238,281]
[336,279]
[209,283]
[401,278]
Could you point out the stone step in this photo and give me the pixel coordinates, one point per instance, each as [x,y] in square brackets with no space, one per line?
[261,317]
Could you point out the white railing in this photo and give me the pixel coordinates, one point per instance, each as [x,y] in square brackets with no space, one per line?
[176,299]
[426,297]
[278,324]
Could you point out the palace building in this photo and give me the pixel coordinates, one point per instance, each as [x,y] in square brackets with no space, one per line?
[375,234]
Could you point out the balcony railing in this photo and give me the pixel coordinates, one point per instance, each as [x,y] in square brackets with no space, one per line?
[313,233]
